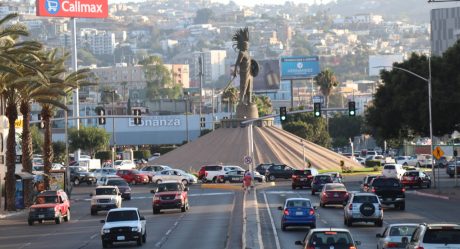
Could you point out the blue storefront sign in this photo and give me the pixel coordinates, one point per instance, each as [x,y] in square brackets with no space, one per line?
[299,67]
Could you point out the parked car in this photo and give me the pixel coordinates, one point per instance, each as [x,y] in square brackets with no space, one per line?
[236,176]
[336,177]
[360,160]
[133,176]
[261,168]
[366,182]
[435,236]
[124,164]
[424,160]
[417,178]
[328,238]
[393,170]
[123,224]
[332,194]
[105,198]
[450,169]
[390,191]
[209,173]
[303,177]
[170,195]
[319,181]
[122,185]
[395,235]
[406,160]
[174,175]
[98,173]
[278,171]
[298,212]
[50,205]
[154,168]
[363,207]
[79,175]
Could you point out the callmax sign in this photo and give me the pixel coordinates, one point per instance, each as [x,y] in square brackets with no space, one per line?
[73,8]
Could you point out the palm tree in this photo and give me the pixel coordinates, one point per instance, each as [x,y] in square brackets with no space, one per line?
[231,94]
[326,81]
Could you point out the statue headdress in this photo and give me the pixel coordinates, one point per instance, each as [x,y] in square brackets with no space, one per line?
[240,36]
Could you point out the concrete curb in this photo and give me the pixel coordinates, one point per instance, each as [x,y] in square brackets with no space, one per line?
[222,186]
[11,214]
[432,195]
[252,236]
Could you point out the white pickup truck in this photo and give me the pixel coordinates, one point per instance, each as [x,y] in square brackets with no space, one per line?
[123,224]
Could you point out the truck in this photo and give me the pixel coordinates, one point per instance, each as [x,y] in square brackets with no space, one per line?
[389,190]
[89,164]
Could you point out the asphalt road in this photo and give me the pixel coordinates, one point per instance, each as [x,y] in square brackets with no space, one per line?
[208,224]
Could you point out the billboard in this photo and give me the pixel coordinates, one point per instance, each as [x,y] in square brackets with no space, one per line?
[299,67]
[376,62]
[73,8]
[268,77]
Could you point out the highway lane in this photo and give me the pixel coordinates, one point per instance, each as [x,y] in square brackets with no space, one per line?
[419,209]
[208,224]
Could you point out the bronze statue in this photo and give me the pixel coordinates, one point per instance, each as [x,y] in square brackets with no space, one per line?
[248,68]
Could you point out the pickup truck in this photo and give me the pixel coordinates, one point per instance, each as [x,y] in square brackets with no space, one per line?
[390,191]
[123,224]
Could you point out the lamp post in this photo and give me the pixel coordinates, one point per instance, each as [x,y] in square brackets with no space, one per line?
[113,124]
[436,182]
[186,98]
[303,153]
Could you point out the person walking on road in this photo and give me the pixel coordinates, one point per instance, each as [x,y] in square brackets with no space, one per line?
[247,180]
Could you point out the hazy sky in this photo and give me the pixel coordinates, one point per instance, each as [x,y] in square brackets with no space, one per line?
[243,2]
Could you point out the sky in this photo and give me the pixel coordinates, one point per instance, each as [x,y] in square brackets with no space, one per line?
[244,2]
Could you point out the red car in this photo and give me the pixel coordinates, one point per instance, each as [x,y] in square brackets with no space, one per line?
[170,195]
[50,205]
[417,178]
[333,193]
[133,176]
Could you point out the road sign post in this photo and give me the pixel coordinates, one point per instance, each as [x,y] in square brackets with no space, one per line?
[437,153]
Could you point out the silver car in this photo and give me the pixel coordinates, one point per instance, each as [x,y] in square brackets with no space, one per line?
[363,207]
[396,235]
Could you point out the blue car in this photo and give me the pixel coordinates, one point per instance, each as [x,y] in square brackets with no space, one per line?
[298,212]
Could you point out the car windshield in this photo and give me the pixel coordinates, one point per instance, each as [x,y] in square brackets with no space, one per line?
[442,236]
[298,203]
[369,179]
[365,198]
[164,187]
[411,174]
[117,183]
[331,239]
[117,162]
[335,188]
[389,182]
[402,230]
[324,178]
[46,199]
[302,172]
[106,191]
[122,215]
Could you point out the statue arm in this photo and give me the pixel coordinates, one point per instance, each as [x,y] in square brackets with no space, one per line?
[237,63]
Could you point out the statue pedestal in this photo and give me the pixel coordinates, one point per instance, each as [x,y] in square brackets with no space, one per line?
[247,111]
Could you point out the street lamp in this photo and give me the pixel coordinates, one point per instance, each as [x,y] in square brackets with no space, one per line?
[186,98]
[303,152]
[113,92]
[436,183]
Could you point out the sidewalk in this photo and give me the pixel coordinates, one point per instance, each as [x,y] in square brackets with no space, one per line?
[252,237]
[5,214]
[445,193]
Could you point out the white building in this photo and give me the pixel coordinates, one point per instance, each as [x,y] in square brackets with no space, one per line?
[96,41]
[213,65]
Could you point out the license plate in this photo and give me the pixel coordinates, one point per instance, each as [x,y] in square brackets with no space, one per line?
[336,195]
[120,237]
[299,213]
[235,179]
[41,216]
[303,179]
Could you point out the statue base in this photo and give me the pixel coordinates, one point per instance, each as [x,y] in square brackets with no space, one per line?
[247,111]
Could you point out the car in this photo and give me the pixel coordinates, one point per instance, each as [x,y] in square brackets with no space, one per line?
[98,173]
[50,205]
[298,212]
[336,177]
[363,207]
[104,179]
[424,160]
[395,235]
[105,198]
[133,176]
[451,166]
[174,175]
[124,164]
[442,162]
[390,191]
[302,178]
[261,168]
[154,156]
[170,195]
[417,178]
[332,194]
[360,160]
[236,176]
[278,171]
[79,175]
[378,158]
[209,173]
[366,181]
[406,160]
[337,238]
[319,181]
[151,170]
[123,224]
[393,170]
[435,236]
[122,185]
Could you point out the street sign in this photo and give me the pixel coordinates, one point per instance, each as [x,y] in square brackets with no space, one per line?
[73,8]
[318,99]
[247,160]
[438,153]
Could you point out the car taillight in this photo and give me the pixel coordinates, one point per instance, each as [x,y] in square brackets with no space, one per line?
[286,212]
[350,207]
[352,247]
[373,190]
[309,176]
[206,173]
[419,247]
[312,211]
[294,176]
[391,245]
[403,190]
[324,193]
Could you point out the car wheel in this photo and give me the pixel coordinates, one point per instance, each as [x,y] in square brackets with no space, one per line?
[451,176]
[259,180]
[156,211]
[105,244]
[58,220]
[67,217]
[76,182]
[185,182]
[139,241]
[312,192]
[89,183]
[214,180]
[271,178]
[93,212]
[144,237]
[128,198]
[30,222]
[159,181]
[402,206]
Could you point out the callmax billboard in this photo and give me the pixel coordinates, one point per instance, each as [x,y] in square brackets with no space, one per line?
[73,8]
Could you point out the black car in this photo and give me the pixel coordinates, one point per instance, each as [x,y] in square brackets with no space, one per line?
[79,175]
[319,181]
[261,168]
[122,185]
[278,171]
[303,178]
[390,191]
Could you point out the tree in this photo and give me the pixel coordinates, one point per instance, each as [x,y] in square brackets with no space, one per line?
[158,79]
[326,81]
[203,16]
[264,105]
[59,151]
[306,126]
[231,95]
[342,127]
[37,139]
[90,139]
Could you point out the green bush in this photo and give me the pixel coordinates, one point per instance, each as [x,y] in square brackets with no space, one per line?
[104,155]
[142,154]
[372,163]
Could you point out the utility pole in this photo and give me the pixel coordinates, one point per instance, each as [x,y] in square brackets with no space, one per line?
[200,63]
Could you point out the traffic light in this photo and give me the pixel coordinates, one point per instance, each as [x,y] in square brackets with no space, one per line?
[41,125]
[317,109]
[283,113]
[102,116]
[202,122]
[137,118]
[351,108]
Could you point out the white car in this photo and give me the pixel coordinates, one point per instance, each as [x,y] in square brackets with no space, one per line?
[393,170]
[435,236]
[101,181]
[153,169]
[124,164]
[123,224]
[406,160]
[173,175]
[105,198]
[98,173]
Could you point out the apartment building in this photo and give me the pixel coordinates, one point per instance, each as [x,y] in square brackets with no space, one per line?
[445,29]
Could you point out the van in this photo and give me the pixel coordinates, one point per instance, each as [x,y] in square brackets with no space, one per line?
[393,170]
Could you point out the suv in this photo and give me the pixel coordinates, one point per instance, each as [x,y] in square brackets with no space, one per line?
[105,198]
[363,207]
[123,224]
[393,170]
[424,160]
[133,176]
[328,238]
[170,195]
[319,181]
[303,178]
[390,191]
[278,171]
[429,236]
[211,172]
[50,205]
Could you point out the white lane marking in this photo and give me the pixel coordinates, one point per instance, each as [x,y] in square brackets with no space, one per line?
[243,237]
[212,194]
[25,245]
[93,236]
[259,229]
[165,237]
[275,233]
[324,221]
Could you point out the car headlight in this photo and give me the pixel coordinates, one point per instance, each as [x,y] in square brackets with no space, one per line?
[134,229]
[106,231]
[81,175]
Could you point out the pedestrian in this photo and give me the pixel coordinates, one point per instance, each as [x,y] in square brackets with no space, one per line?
[247,180]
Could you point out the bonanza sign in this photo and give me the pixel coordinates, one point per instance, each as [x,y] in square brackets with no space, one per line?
[73,8]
